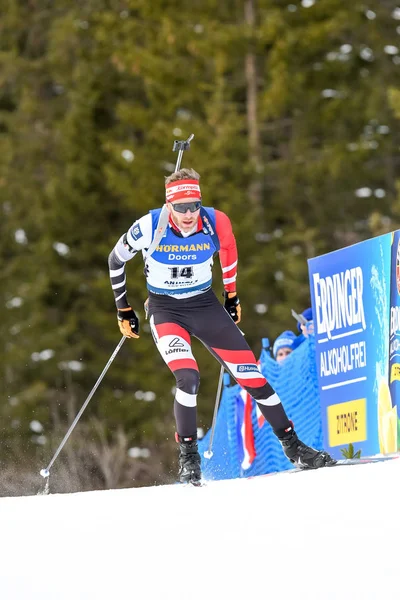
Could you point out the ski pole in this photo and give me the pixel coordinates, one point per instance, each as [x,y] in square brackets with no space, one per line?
[181,146]
[46,472]
[208,453]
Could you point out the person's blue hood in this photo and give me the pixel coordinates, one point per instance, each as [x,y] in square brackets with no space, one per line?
[284,340]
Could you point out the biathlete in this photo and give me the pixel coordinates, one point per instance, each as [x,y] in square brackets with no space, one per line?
[178,256]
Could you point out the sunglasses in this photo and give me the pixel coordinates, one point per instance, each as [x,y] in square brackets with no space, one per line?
[185,206]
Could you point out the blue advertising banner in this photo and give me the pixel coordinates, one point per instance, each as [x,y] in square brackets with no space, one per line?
[389,423]
[350,291]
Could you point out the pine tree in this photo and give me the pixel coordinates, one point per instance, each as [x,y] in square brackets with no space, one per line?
[295,110]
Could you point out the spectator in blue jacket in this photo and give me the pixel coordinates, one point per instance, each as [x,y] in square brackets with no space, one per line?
[283,345]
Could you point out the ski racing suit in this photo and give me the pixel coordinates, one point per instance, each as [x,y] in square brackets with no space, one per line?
[182,304]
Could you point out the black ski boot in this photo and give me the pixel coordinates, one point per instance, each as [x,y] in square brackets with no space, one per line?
[189,460]
[301,455]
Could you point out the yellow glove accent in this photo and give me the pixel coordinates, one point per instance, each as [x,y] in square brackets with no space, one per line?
[129,326]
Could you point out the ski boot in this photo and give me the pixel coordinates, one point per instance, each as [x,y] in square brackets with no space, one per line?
[189,460]
[301,455]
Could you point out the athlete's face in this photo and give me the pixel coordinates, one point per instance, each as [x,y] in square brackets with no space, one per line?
[185,221]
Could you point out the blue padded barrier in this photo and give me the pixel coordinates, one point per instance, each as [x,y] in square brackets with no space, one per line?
[295,381]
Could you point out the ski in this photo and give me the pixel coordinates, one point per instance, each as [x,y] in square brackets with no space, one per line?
[367,460]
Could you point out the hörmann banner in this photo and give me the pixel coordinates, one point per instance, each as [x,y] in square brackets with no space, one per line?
[350,291]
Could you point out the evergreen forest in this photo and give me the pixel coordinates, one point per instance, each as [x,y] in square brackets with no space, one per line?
[295,109]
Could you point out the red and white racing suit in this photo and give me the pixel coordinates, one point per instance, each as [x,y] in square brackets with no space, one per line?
[182,304]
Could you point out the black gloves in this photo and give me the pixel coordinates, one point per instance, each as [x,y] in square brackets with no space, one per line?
[232,306]
[128,322]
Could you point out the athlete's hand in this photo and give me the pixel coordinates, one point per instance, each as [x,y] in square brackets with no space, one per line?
[146,308]
[128,322]
[232,306]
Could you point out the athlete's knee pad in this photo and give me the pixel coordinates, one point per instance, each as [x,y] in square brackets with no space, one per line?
[187,380]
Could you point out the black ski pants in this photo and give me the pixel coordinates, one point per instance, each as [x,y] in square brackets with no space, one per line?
[173,321]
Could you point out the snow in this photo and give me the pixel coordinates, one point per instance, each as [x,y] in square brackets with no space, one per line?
[43,355]
[15,302]
[367,54]
[36,426]
[61,248]
[328,93]
[20,236]
[364,192]
[396,13]
[389,49]
[136,452]
[261,309]
[330,534]
[146,396]
[71,365]
[128,155]
[346,48]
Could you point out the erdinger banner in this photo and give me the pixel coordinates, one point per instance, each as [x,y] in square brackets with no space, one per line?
[389,423]
[350,299]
